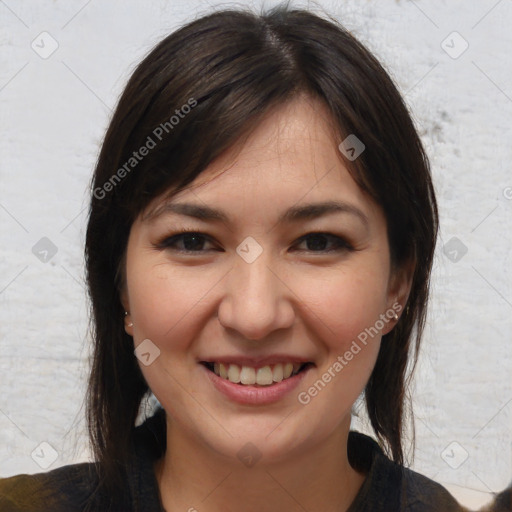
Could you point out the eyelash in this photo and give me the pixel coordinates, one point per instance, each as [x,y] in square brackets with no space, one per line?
[169,242]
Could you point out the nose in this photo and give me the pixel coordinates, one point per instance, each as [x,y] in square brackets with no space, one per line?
[256,301]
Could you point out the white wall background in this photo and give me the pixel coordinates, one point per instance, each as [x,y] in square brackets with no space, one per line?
[54,111]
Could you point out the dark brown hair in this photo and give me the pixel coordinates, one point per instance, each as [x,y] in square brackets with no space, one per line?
[231,68]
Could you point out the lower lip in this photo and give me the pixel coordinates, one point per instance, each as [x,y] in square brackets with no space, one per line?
[255,395]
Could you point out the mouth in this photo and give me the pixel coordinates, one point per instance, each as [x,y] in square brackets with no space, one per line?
[262,376]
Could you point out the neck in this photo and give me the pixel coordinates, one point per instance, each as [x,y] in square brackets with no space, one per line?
[193,478]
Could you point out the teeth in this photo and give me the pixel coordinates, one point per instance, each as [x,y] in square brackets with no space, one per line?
[247,375]
[277,374]
[264,376]
[287,370]
[234,373]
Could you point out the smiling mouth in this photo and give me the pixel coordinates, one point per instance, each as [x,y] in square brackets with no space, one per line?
[262,376]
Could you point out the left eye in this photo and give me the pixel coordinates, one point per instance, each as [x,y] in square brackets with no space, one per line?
[323,242]
[186,242]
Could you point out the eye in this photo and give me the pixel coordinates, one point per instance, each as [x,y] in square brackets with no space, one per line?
[323,242]
[186,242]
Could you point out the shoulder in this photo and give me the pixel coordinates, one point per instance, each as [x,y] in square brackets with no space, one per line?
[421,494]
[77,487]
[389,486]
[67,488]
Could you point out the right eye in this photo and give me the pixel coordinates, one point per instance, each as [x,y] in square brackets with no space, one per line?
[186,242]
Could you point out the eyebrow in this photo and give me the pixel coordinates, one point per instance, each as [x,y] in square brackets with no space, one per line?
[314,210]
[294,214]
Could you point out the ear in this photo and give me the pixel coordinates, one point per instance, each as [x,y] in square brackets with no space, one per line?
[399,288]
[128,324]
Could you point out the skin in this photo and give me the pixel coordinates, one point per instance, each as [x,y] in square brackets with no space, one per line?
[293,299]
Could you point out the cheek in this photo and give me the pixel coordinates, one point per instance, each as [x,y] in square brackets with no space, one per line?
[344,304]
[167,303]
[169,307]
[343,313]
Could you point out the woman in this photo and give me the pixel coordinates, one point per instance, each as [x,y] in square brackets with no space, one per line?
[259,246]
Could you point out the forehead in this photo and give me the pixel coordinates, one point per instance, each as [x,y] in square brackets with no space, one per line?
[292,138]
[292,154]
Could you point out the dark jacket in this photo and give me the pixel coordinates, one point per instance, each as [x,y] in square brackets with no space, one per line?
[387,488]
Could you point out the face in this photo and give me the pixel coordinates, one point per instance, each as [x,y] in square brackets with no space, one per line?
[284,267]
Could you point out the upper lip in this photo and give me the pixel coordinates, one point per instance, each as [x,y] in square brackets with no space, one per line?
[256,362]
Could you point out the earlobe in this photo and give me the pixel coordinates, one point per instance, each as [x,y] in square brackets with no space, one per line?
[398,294]
[392,316]
[128,324]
